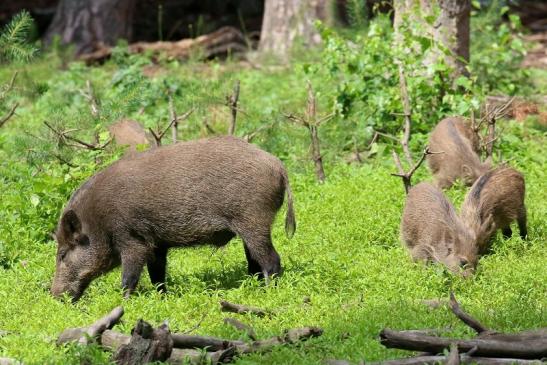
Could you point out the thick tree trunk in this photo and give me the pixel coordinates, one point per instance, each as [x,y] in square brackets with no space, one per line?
[449,28]
[288,21]
[87,24]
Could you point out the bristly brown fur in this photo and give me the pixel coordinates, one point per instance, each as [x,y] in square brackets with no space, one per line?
[193,193]
[432,231]
[455,137]
[494,201]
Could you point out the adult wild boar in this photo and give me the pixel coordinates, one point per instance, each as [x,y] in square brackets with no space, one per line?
[460,158]
[432,231]
[193,193]
[498,193]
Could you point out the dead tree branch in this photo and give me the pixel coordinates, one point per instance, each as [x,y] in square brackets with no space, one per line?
[242,309]
[173,117]
[240,326]
[407,176]
[85,334]
[201,342]
[147,344]
[250,136]
[466,318]
[10,114]
[312,122]
[407,114]
[231,102]
[64,138]
[463,359]
[158,134]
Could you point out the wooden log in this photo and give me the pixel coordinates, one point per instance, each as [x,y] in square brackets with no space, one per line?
[203,342]
[84,334]
[147,344]
[188,356]
[240,326]
[535,348]
[464,359]
[9,361]
[241,309]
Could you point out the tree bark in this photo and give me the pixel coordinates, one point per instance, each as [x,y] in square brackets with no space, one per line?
[286,22]
[450,27]
[89,24]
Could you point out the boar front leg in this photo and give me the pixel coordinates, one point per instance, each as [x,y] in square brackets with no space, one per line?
[157,264]
[522,224]
[133,259]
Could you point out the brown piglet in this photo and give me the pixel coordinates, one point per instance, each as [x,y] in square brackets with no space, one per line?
[459,159]
[432,231]
[186,194]
[498,193]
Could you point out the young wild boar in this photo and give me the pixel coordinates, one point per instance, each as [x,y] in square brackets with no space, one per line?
[499,193]
[460,146]
[200,192]
[432,231]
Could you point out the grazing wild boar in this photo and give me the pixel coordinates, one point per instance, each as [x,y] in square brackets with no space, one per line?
[193,193]
[460,158]
[498,193]
[432,231]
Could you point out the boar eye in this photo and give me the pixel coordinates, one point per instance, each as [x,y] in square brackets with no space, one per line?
[82,240]
[62,254]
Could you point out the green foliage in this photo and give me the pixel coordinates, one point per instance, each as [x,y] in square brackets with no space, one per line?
[346,255]
[13,39]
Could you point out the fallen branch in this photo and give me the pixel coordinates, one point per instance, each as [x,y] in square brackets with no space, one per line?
[407,176]
[466,318]
[158,135]
[231,102]
[312,122]
[10,114]
[147,344]
[86,334]
[203,342]
[8,361]
[289,337]
[64,137]
[464,359]
[242,309]
[240,326]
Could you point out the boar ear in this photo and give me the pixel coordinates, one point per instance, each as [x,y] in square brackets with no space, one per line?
[70,223]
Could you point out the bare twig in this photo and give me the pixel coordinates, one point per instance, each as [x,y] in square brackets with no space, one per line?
[91,98]
[440,359]
[173,117]
[158,135]
[250,136]
[242,309]
[466,318]
[311,122]
[85,334]
[10,114]
[232,101]
[407,114]
[64,137]
[240,326]
[208,127]
[407,176]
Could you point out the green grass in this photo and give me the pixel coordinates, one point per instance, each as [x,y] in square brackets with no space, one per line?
[346,255]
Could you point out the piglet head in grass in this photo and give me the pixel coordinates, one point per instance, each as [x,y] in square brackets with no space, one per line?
[81,257]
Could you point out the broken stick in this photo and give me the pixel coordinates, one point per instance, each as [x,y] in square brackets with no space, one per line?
[86,334]
[242,309]
[240,326]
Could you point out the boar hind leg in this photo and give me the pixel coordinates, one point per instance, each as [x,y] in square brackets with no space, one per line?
[261,255]
[507,232]
[522,224]
[156,265]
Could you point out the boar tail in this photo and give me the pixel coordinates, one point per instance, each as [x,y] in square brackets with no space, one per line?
[290,220]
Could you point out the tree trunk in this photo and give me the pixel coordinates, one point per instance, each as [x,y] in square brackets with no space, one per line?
[449,28]
[286,22]
[87,24]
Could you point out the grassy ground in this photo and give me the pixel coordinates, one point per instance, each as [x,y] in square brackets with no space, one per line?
[346,255]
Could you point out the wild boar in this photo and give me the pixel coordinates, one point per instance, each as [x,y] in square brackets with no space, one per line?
[498,193]
[460,158]
[432,231]
[200,192]
[128,133]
